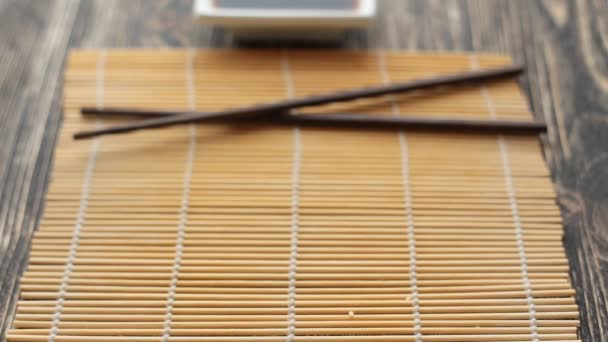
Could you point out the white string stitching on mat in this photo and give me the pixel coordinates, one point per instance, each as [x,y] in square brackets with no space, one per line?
[190,81]
[183,212]
[504,153]
[84,201]
[474,64]
[101,78]
[411,235]
[295,205]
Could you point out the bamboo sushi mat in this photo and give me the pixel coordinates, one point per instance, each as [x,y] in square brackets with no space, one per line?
[233,233]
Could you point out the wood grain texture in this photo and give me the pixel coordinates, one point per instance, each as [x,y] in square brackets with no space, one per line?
[563,43]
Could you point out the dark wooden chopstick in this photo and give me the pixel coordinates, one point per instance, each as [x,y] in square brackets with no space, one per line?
[373,121]
[276,108]
[419,123]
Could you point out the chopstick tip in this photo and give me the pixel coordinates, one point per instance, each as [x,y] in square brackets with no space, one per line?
[83,135]
[88,110]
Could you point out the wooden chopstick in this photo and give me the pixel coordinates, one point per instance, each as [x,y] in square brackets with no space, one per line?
[278,107]
[357,121]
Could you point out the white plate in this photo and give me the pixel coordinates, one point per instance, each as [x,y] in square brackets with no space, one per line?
[249,16]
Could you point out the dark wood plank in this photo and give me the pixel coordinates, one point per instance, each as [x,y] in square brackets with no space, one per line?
[567,51]
[30,84]
[563,43]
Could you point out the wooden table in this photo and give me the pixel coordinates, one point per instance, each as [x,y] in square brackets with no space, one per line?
[564,45]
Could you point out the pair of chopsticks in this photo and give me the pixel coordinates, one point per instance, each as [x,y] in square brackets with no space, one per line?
[278,112]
